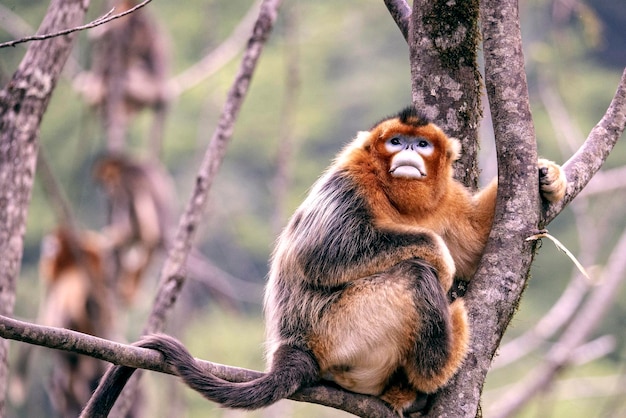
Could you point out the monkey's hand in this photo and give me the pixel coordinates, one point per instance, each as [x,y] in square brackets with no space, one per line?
[552,180]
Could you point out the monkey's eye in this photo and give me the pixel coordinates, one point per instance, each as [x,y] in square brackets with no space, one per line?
[394,144]
[424,146]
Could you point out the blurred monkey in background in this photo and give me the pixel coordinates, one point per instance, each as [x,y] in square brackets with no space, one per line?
[139,195]
[128,73]
[74,268]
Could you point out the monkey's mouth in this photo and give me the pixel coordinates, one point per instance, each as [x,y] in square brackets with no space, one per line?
[407,168]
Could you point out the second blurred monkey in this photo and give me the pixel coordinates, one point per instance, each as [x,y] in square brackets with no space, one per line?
[138,194]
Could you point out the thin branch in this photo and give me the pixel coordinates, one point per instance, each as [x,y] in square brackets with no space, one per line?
[217,58]
[77,342]
[558,315]
[97,22]
[401,13]
[582,166]
[138,357]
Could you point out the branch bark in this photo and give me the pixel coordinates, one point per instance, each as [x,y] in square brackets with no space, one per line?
[582,166]
[443,45]
[55,32]
[137,357]
[401,13]
[23,102]
[494,292]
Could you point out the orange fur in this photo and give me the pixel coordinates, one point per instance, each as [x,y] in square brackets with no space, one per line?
[438,202]
[73,267]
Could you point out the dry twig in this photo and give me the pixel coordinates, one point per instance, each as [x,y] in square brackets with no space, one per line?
[107,17]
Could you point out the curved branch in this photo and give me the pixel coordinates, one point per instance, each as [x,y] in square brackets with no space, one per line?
[217,58]
[581,167]
[401,13]
[138,357]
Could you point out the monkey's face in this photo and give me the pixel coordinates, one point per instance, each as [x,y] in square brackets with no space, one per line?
[413,153]
[409,161]
[408,155]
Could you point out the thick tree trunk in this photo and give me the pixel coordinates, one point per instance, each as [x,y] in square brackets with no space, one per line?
[23,102]
[443,41]
[443,45]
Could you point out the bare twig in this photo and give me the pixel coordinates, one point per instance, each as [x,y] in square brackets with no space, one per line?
[107,17]
[138,357]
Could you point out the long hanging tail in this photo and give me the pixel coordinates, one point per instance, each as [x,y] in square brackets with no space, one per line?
[292,369]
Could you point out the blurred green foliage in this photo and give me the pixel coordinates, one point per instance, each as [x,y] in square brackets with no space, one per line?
[353,70]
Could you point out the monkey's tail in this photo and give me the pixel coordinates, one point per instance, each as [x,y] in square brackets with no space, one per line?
[293,368]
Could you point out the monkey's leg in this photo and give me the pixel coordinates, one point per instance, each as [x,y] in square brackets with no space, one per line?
[364,340]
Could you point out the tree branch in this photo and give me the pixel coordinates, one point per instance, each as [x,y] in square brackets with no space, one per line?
[23,102]
[494,292]
[605,182]
[138,357]
[582,166]
[217,58]
[446,83]
[107,17]
[401,13]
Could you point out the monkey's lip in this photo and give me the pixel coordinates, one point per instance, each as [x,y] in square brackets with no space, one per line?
[407,171]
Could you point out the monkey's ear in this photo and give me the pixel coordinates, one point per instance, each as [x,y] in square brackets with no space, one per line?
[454,149]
